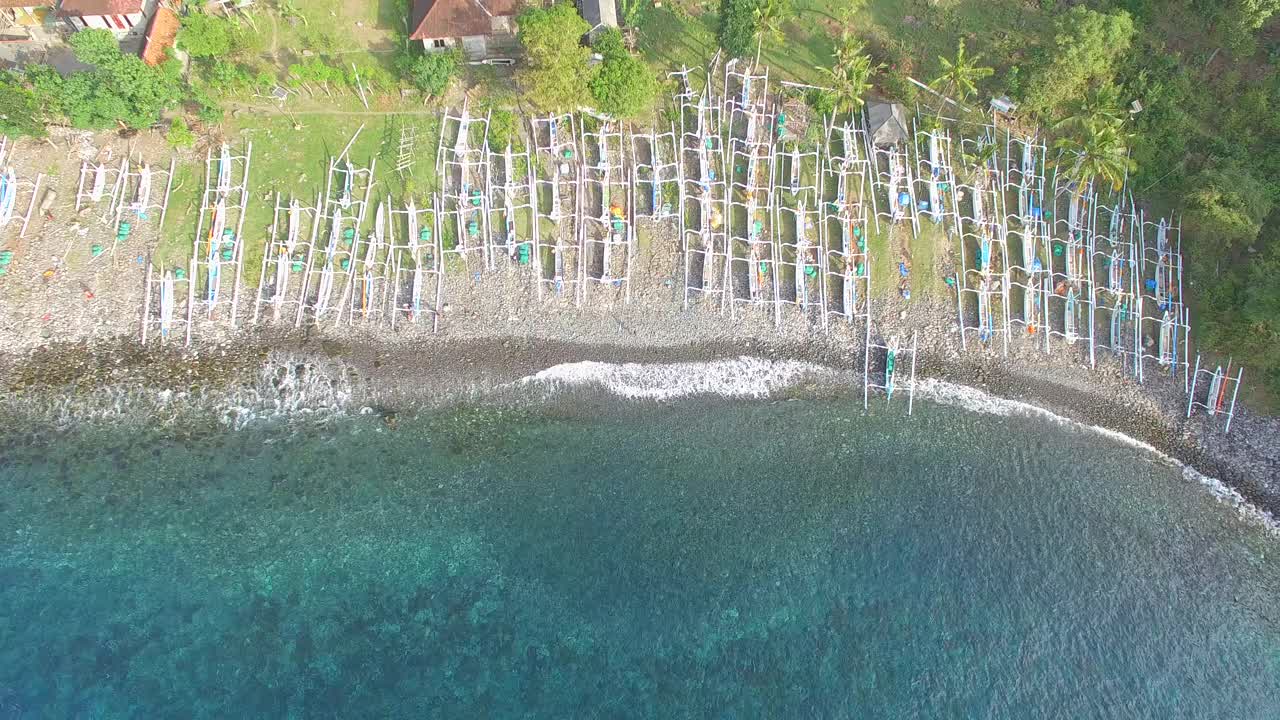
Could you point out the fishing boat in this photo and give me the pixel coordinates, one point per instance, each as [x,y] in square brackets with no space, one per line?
[166,304]
[99,183]
[369,266]
[1118,315]
[755,273]
[899,196]
[1216,390]
[795,169]
[348,181]
[1166,338]
[1115,272]
[1069,317]
[325,288]
[415,292]
[935,170]
[1031,299]
[890,360]
[655,158]
[1219,398]
[8,195]
[217,224]
[985,320]
[850,289]
[142,198]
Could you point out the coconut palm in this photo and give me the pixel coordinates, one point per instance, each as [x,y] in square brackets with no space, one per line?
[849,77]
[1102,105]
[1099,153]
[959,77]
[770,16]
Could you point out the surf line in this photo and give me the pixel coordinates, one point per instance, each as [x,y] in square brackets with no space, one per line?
[979,401]
[752,377]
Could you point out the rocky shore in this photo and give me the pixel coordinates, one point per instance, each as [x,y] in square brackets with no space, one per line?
[495,338]
[69,349]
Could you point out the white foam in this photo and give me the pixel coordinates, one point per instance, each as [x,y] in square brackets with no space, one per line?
[740,377]
[976,400]
[757,377]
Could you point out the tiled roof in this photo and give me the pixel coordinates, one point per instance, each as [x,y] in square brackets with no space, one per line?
[99,7]
[457,18]
[160,35]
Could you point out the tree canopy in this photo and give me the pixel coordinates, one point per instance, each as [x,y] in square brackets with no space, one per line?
[204,35]
[850,75]
[20,113]
[120,88]
[432,73]
[958,79]
[556,75]
[623,85]
[1085,47]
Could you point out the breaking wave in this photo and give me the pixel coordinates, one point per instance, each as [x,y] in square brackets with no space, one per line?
[284,387]
[758,377]
[740,377]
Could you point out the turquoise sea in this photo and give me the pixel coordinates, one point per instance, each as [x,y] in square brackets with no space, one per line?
[691,559]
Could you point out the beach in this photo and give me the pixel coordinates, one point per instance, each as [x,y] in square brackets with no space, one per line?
[77,332]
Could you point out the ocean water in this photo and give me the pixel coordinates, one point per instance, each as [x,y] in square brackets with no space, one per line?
[597,558]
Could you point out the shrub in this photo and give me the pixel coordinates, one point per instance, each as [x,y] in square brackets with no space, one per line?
[179,135]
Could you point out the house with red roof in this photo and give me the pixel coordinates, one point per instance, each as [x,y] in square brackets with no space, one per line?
[118,16]
[480,28]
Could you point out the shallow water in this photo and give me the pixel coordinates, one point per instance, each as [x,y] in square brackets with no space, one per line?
[694,559]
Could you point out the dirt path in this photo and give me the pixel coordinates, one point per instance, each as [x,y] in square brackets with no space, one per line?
[277,110]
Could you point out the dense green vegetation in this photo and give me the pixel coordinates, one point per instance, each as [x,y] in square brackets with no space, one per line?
[560,74]
[1203,143]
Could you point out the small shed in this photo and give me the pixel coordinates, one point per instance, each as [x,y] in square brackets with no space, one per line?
[887,124]
[599,14]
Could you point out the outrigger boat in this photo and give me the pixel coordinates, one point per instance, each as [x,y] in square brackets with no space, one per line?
[368,275]
[756,273]
[795,169]
[215,241]
[1118,315]
[1069,317]
[1026,195]
[143,197]
[99,183]
[1031,299]
[326,272]
[285,262]
[890,360]
[348,181]
[935,186]
[1166,338]
[850,288]
[985,320]
[224,170]
[1217,388]
[1115,273]
[415,294]
[655,158]
[896,198]
[166,304]
[8,195]
[803,265]
[509,213]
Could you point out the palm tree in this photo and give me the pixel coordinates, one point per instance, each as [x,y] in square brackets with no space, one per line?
[1102,106]
[850,75]
[769,16]
[1099,153]
[959,77]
